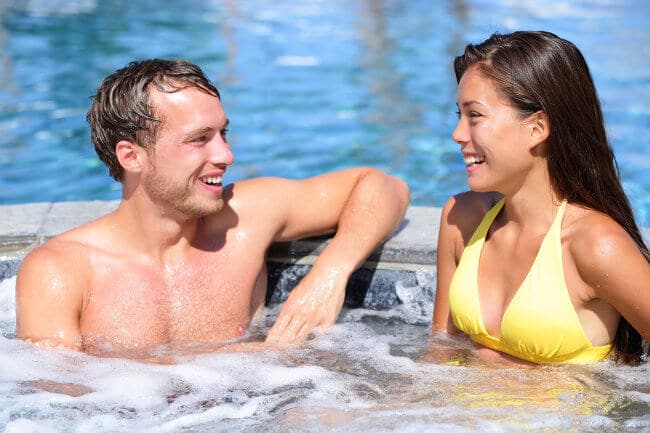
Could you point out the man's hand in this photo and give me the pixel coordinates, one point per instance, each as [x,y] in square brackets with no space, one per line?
[363,206]
[315,302]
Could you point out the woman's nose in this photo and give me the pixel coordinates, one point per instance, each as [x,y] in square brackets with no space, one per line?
[460,134]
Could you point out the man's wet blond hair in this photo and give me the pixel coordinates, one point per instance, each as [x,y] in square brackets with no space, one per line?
[122,108]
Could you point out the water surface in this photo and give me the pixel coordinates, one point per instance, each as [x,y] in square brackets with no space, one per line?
[309,86]
[375,371]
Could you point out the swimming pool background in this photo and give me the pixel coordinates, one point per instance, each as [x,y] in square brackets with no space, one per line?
[308,86]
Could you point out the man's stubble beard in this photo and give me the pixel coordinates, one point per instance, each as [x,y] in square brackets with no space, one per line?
[180,197]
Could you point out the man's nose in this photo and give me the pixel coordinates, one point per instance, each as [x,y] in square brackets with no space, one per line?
[220,152]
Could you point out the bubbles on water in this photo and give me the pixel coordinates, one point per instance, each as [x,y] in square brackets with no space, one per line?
[375,370]
[23,425]
[8,307]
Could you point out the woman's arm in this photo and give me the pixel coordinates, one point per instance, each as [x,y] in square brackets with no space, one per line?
[610,262]
[447,260]
[460,217]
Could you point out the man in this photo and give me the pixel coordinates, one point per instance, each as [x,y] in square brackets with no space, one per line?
[183,256]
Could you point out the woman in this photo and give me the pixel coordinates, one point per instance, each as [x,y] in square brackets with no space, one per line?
[542,259]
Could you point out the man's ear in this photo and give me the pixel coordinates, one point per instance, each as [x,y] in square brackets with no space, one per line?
[130,156]
[540,129]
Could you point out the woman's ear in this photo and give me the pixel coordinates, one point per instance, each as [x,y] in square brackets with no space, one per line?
[540,129]
[129,155]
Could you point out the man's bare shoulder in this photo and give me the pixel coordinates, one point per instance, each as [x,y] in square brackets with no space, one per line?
[253,200]
[255,192]
[59,255]
[68,253]
[50,284]
[50,289]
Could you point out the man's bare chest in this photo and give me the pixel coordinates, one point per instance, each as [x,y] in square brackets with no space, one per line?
[206,298]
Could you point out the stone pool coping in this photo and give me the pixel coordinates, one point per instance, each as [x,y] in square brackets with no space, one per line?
[25,226]
[407,259]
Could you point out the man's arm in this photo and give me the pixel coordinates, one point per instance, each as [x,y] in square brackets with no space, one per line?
[364,206]
[48,299]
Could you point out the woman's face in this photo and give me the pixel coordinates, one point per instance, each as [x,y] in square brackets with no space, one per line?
[494,138]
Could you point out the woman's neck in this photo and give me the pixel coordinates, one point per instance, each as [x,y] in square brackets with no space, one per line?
[534,202]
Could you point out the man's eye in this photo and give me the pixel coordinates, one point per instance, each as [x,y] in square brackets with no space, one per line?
[474,114]
[200,139]
[224,132]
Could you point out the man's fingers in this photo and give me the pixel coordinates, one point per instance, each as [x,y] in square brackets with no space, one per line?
[287,333]
[294,329]
[305,331]
[278,328]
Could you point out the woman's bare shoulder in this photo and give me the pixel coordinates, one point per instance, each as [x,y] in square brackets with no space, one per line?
[475,201]
[466,210]
[584,229]
[597,242]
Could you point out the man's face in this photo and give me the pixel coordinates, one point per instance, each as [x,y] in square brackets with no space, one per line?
[191,153]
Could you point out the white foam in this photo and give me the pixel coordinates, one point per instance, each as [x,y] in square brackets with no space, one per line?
[367,373]
[28,426]
[8,297]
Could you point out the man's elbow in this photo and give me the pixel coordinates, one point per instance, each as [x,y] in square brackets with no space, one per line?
[69,341]
[395,191]
[403,192]
[399,196]
[54,344]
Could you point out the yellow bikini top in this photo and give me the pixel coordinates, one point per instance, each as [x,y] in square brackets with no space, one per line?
[540,324]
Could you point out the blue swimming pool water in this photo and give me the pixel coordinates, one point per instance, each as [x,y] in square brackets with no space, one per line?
[309,86]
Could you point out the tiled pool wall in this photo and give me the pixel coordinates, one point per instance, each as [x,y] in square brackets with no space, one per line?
[407,259]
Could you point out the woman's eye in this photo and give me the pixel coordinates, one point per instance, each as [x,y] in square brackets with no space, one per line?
[474,114]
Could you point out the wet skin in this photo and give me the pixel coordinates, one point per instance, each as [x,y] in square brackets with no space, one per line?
[135,301]
[604,270]
[183,257]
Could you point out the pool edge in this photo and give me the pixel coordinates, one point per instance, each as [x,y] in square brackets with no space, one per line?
[26,226]
[407,259]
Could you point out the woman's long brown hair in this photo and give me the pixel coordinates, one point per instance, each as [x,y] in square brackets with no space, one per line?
[541,71]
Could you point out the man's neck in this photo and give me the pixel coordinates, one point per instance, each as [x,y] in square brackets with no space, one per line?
[154,230]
